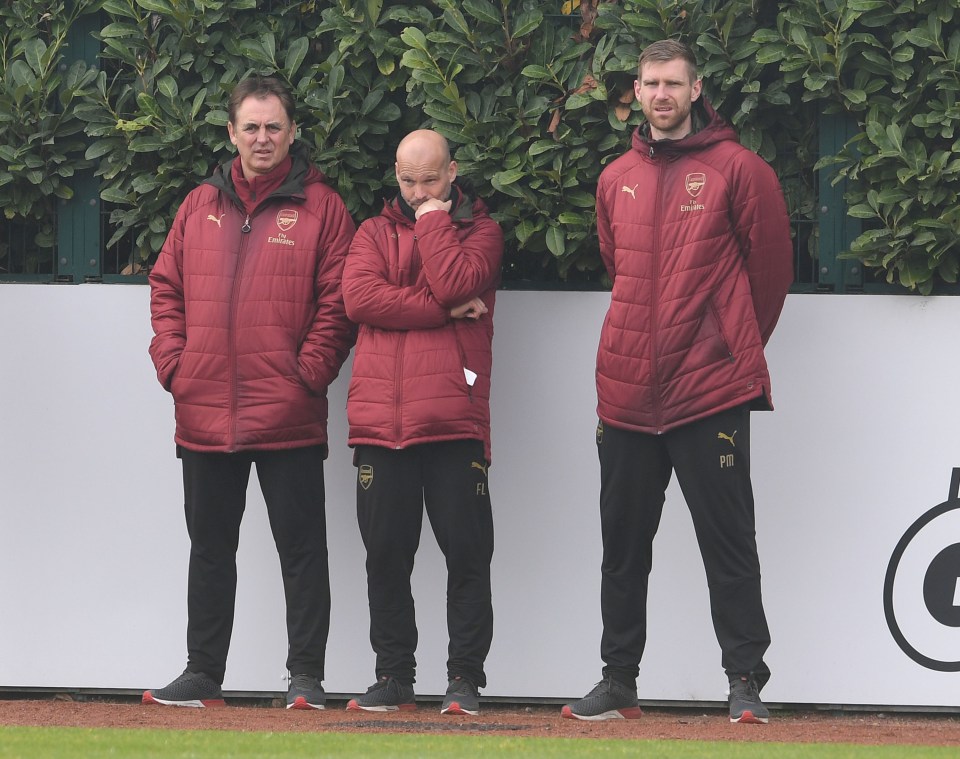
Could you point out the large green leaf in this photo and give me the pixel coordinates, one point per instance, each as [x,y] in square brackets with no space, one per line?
[296,52]
[415,39]
[508,177]
[34,51]
[483,11]
[161,7]
[527,22]
[167,86]
[556,241]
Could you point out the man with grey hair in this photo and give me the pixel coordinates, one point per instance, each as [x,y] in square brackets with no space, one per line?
[695,236]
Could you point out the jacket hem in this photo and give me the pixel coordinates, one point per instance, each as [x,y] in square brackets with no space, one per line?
[674,424]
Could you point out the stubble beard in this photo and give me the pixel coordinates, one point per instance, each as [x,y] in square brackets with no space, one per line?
[674,120]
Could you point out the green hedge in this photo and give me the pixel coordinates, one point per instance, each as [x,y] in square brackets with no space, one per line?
[536,98]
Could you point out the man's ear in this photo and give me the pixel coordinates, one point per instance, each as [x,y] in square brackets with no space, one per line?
[697,89]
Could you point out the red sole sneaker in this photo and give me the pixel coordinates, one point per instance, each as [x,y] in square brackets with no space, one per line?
[301,703]
[747,718]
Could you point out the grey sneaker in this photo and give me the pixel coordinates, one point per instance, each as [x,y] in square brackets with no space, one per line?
[609,699]
[461,698]
[190,689]
[386,695]
[744,700]
[305,693]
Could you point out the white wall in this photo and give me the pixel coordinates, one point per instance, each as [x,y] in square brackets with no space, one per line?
[93,550]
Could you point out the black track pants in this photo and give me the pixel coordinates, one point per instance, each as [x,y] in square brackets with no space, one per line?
[393,487]
[215,489]
[711,458]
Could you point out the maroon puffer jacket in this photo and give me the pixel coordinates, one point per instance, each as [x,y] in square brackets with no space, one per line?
[400,281]
[249,326]
[695,236]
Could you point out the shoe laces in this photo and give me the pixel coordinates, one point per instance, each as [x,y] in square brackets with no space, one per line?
[607,685]
[461,685]
[304,682]
[745,688]
[602,687]
[382,682]
[189,676]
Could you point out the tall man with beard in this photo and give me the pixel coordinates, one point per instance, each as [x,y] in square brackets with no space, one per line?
[695,236]
[420,280]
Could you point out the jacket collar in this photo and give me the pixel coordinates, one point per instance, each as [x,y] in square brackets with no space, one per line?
[253,191]
[301,174]
[709,127]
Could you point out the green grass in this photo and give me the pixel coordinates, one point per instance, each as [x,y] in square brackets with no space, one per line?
[79,743]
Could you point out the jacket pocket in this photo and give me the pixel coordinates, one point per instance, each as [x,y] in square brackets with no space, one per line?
[169,373]
[711,344]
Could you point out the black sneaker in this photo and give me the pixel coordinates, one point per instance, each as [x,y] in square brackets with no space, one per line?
[745,703]
[609,699]
[461,698]
[190,689]
[305,693]
[386,695]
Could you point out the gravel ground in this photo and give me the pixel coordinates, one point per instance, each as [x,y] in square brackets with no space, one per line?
[791,726]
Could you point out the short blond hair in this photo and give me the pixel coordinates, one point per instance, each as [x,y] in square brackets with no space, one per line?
[668,50]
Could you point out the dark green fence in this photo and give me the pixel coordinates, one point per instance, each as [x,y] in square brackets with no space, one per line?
[83,227]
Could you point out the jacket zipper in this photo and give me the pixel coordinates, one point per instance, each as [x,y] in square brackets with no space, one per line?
[232,343]
[398,374]
[398,392]
[655,310]
[456,337]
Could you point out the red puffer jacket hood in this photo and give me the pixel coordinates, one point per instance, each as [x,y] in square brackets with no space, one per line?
[410,372]
[248,314]
[695,236]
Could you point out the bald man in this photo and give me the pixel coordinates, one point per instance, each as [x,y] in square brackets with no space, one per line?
[420,280]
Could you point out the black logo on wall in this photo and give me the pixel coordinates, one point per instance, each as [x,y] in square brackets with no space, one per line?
[921,592]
